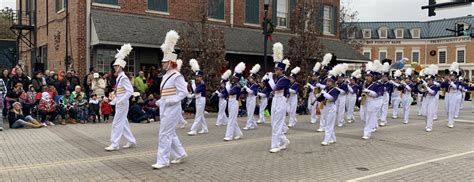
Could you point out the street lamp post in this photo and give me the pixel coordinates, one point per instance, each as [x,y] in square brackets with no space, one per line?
[265,34]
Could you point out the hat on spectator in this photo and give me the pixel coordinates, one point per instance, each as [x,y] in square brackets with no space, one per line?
[16,103]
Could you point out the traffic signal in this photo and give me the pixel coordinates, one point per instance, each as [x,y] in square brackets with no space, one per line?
[431,11]
[459,29]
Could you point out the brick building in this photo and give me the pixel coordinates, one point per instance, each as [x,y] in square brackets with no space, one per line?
[97,28]
[424,42]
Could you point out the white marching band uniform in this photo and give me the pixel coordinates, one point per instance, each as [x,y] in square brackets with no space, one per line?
[222,118]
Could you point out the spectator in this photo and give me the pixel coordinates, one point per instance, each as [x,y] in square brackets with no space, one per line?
[37,81]
[94,108]
[98,85]
[3,92]
[67,107]
[14,95]
[154,82]
[137,113]
[73,80]
[19,77]
[47,107]
[61,75]
[58,85]
[106,109]
[5,76]
[17,119]
[81,108]
[151,107]
[139,83]
[39,94]
[110,78]
[77,91]
[27,100]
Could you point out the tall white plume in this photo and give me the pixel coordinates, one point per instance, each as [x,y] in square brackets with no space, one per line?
[295,70]
[433,69]
[226,75]
[255,69]
[317,66]
[408,71]
[326,59]
[277,52]
[377,66]
[124,51]
[170,41]
[385,67]
[239,68]
[397,73]
[179,63]
[454,67]
[194,65]
[357,73]
[287,63]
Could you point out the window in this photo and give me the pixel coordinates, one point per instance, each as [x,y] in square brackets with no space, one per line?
[460,55]
[366,33]
[216,9]
[351,35]
[398,54]
[367,54]
[43,56]
[104,57]
[442,56]
[415,56]
[252,8]
[328,17]
[59,5]
[399,33]
[383,33]
[382,55]
[111,2]
[415,33]
[280,10]
[158,5]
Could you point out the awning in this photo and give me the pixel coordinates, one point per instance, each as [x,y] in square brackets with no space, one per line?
[111,28]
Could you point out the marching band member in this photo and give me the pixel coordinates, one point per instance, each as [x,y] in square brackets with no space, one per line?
[251,101]
[421,97]
[463,94]
[280,87]
[199,89]
[370,101]
[407,86]
[386,88]
[222,93]
[396,93]
[352,95]
[182,122]
[321,84]
[430,99]
[328,99]
[312,103]
[452,89]
[437,82]
[293,99]
[342,87]
[122,95]
[173,90]
[263,94]
[233,131]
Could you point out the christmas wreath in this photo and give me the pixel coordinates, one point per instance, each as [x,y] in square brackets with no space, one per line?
[432,52]
[270,27]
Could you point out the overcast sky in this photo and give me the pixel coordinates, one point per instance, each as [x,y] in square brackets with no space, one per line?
[379,10]
[402,10]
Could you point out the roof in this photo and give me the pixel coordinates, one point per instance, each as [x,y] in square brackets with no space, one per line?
[146,31]
[429,29]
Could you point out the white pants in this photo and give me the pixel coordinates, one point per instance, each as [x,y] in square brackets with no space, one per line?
[169,142]
[262,105]
[250,105]
[292,104]
[199,120]
[312,107]
[384,109]
[221,116]
[459,101]
[277,121]
[120,125]
[406,106]
[451,102]
[436,105]
[350,104]
[371,109]
[430,112]
[340,106]
[419,103]
[463,94]
[424,106]
[395,104]
[233,129]
[330,118]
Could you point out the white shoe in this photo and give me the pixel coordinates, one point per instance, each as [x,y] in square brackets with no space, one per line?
[245,128]
[313,122]
[192,133]
[365,137]
[44,124]
[435,118]
[203,132]
[159,166]
[218,124]
[456,117]
[129,145]
[349,121]
[320,130]
[184,124]
[1,128]
[394,117]
[285,143]
[450,126]
[111,148]
[237,137]
[428,129]
[227,139]
[259,122]
[324,143]
[332,141]
[382,124]
[419,114]
[340,125]
[179,160]
[51,123]
[405,122]
[275,150]
[374,130]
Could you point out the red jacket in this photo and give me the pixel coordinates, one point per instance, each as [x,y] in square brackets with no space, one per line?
[47,106]
[105,108]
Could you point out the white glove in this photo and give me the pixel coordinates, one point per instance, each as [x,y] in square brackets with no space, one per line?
[217,92]
[366,90]
[245,87]
[158,102]
[190,95]
[270,75]
[308,84]
[193,81]
[265,77]
[323,92]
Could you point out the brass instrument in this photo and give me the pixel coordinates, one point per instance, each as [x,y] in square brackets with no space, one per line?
[421,88]
[306,88]
[442,92]
[363,99]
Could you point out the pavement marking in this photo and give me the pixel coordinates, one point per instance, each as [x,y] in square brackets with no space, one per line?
[464,121]
[410,166]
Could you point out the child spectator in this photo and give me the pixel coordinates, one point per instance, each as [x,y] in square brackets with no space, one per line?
[137,114]
[47,107]
[150,106]
[81,108]
[67,106]
[106,109]
[94,109]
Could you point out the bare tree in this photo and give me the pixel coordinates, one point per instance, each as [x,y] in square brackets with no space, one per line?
[205,42]
[305,48]
[347,26]
[5,23]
